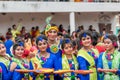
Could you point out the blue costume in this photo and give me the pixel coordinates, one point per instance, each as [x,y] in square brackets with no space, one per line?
[58,54]
[112,64]
[6,75]
[55,49]
[87,61]
[21,64]
[8,45]
[68,64]
[50,62]
[4,64]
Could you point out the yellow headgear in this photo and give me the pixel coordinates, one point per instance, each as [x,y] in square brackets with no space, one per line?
[49,27]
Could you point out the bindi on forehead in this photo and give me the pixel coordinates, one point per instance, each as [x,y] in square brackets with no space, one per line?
[43,41]
[86,37]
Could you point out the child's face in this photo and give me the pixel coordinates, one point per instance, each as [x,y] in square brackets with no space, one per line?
[2,49]
[108,44]
[52,35]
[86,41]
[42,45]
[68,48]
[19,51]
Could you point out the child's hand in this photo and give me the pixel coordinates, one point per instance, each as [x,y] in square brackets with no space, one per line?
[100,70]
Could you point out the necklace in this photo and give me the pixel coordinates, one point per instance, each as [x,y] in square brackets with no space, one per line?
[109,56]
[42,58]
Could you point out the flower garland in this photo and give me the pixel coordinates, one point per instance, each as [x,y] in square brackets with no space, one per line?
[42,59]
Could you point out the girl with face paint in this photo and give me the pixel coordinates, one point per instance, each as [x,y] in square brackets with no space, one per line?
[108,62]
[87,56]
[18,62]
[4,63]
[43,59]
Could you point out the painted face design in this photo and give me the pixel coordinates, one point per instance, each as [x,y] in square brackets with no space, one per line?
[52,34]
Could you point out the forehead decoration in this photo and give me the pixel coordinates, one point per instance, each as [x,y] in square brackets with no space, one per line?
[40,39]
[67,41]
[49,27]
[21,43]
[84,35]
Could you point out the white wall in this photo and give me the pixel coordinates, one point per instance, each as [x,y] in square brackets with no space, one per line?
[36,6]
[38,19]
[87,19]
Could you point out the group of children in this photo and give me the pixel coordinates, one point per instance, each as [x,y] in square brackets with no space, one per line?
[48,52]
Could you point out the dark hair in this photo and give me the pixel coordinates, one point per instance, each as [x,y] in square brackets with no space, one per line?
[76,42]
[40,37]
[95,36]
[23,27]
[90,28]
[60,33]
[75,33]
[118,37]
[33,28]
[84,32]
[9,29]
[27,35]
[52,24]
[17,44]
[60,27]
[13,26]
[113,38]
[104,29]
[37,27]
[66,36]
[65,41]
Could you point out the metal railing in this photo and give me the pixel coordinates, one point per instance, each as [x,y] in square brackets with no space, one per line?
[112,1]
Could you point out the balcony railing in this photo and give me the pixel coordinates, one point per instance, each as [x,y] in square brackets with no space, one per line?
[101,1]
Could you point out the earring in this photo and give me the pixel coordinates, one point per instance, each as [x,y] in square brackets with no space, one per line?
[62,51]
[115,44]
[80,42]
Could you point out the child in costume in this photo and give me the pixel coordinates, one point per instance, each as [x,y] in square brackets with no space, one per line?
[51,31]
[18,62]
[68,60]
[110,59]
[4,63]
[87,57]
[43,59]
